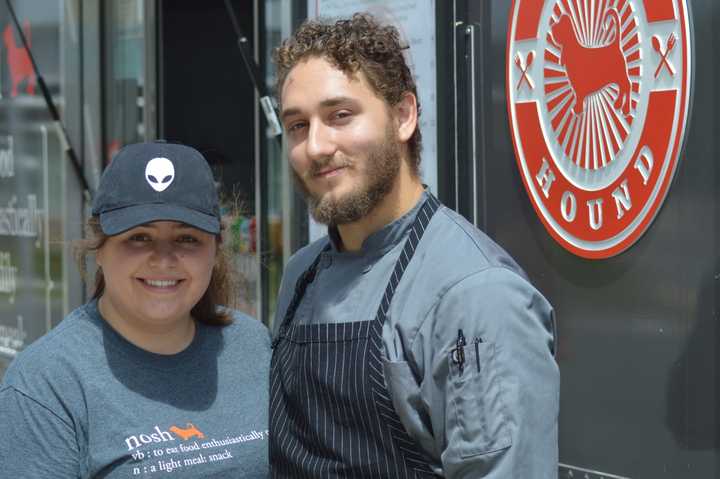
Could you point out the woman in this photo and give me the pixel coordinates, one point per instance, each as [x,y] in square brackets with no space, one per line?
[150,376]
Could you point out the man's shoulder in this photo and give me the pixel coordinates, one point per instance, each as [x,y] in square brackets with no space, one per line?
[462,246]
[301,260]
[304,257]
[297,265]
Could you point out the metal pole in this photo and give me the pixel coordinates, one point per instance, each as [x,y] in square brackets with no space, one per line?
[266,101]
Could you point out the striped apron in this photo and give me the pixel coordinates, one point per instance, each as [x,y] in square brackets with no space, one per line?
[331,414]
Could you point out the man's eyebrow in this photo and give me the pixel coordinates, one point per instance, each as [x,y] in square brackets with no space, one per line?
[330,102]
[289,112]
[335,101]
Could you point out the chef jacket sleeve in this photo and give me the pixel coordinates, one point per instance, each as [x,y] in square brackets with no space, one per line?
[493,405]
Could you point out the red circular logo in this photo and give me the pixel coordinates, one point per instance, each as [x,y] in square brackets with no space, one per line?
[598,94]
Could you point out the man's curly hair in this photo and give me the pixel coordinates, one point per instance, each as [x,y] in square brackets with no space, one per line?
[360,43]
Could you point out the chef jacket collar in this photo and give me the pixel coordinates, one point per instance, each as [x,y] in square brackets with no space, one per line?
[382,240]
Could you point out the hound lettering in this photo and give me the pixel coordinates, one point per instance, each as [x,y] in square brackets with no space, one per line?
[621,197]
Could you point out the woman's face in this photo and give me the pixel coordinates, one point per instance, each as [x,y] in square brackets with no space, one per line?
[155,273]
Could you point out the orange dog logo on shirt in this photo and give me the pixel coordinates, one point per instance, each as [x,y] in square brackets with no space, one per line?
[188,432]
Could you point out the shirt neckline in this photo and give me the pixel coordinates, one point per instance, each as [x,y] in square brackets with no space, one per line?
[143,356]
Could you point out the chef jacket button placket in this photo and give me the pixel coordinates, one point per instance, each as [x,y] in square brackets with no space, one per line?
[325,261]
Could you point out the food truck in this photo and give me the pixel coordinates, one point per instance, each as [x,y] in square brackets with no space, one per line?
[581,135]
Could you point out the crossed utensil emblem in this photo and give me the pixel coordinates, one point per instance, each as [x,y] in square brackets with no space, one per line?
[524,66]
[664,62]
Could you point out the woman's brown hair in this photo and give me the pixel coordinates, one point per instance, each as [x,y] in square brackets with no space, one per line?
[222,290]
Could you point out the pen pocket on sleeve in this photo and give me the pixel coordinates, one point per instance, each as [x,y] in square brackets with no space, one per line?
[478,405]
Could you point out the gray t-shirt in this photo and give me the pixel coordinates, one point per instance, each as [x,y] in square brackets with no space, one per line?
[498,415]
[84,402]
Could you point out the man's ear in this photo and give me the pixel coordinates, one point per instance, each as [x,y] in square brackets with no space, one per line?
[406,116]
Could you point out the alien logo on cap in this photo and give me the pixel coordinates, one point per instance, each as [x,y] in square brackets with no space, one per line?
[159,173]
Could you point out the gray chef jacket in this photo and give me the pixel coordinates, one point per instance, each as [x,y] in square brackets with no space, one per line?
[498,417]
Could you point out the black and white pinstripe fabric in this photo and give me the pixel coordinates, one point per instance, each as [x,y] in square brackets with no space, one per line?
[331,414]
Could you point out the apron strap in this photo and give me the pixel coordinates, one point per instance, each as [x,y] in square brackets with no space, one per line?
[419,226]
[300,286]
[427,210]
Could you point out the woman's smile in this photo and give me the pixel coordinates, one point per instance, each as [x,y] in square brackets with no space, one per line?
[161,285]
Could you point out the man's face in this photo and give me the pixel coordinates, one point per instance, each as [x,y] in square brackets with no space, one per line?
[342,141]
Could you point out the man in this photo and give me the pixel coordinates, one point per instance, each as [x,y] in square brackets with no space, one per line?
[407,343]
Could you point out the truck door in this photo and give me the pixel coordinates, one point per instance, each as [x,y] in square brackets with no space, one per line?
[637,315]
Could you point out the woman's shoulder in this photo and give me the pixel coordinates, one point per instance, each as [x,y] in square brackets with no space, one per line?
[53,363]
[74,331]
[247,329]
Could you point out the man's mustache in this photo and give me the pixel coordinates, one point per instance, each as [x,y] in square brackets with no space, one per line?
[328,163]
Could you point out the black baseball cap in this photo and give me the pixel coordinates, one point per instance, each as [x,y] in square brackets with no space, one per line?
[157,181]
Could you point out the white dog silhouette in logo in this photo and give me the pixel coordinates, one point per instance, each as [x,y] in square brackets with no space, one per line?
[590,69]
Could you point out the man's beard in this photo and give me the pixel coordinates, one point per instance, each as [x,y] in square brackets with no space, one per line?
[381,170]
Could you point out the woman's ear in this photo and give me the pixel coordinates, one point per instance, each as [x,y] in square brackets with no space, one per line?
[406,116]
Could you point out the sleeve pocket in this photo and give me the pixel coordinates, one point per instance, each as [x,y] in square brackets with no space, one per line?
[477,404]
